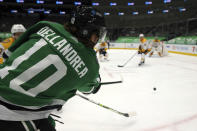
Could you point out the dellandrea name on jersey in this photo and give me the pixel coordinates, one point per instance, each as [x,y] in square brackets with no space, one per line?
[65,49]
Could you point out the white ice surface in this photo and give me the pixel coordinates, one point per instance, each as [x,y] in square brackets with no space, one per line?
[172,107]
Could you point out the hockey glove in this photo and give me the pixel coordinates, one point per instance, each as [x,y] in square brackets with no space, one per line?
[96,89]
[95,86]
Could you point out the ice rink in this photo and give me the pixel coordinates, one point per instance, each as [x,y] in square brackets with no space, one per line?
[172,107]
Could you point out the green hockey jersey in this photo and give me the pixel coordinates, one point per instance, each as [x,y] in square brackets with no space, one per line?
[46,66]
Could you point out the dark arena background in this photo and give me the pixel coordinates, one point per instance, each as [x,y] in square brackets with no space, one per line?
[167,18]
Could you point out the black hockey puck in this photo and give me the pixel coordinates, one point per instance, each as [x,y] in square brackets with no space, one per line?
[154,88]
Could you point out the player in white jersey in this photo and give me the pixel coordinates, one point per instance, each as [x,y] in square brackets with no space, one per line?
[156,47]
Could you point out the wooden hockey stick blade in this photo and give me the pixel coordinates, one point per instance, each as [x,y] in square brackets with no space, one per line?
[112,82]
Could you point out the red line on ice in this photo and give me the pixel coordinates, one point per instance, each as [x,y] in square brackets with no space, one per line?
[173,124]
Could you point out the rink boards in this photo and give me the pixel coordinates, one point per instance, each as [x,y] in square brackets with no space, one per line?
[172,48]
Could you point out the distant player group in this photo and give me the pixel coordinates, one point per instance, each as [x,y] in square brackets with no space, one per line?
[145,48]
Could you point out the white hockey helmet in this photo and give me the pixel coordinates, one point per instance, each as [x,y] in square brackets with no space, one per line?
[141,35]
[17,28]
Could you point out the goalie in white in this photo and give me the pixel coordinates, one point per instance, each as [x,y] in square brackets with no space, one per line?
[156,46]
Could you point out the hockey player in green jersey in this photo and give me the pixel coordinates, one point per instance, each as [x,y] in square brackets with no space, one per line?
[46,66]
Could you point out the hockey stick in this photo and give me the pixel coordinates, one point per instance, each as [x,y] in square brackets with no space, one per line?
[120,113]
[128,60]
[112,82]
